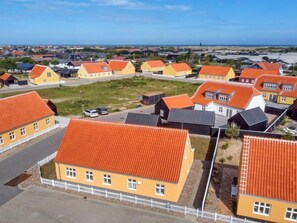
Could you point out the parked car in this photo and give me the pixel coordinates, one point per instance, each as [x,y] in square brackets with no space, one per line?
[234,189]
[102,111]
[92,113]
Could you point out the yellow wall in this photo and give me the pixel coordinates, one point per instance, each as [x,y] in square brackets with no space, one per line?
[43,78]
[82,73]
[230,74]
[279,99]
[170,71]
[129,69]
[144,187]
[245,207]
[145,67]
[29,130]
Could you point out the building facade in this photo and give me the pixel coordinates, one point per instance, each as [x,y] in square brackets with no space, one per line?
[249,75]
[43,75]
[153,66]
[177,70]
[94,70]
[216,73]
[122,67]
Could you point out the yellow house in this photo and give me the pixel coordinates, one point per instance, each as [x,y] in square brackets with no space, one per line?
[94,70]
[218,73]
[23,116]
[278,89]
[141,160]
[153,66]
[268,180]
[177,69]
[121,67]
[43,75]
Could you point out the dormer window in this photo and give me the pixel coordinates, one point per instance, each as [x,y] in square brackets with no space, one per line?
[104,68]
[270,85]
[209,94]
[223,97]
[288,87]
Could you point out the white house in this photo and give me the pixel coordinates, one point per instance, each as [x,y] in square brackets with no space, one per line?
[227,99]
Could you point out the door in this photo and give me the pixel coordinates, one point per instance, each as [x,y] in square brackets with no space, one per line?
[272,98]
[228,113]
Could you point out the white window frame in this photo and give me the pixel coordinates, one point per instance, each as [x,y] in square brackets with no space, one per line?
[209,95]
[107,179]
[1,140]
[223,97]
[261,205]
[89,176]
[160,189]
[270,85]
[23,131]
[221,109]
[132,184]
[12,136]
[70,172]
[35,126]
[162,112]
[292,212]
[47,121]
[288,87]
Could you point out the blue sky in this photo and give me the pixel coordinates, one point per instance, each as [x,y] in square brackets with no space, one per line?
[230,22]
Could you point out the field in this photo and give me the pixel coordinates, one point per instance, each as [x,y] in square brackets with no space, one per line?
[204,147]
[116,95]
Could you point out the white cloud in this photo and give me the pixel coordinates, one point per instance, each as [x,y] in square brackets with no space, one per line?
[121,3]
[177,7]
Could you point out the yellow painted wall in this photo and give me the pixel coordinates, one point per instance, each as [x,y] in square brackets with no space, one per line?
[43,79]
[231,74]
[288,100]
[82,73]
[129,69]
[170,71]
[145,67]
[144,187]
[29,130]
[245,207]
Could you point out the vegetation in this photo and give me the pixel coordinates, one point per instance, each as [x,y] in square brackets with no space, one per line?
[204,147]
[115,95]
[48,170]
[232,131]
[288,136]
[229,158]
[222,160]
[284,121]
[225,146]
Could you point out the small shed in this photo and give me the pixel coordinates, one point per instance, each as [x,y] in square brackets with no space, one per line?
[23,67]
[152,98]
[143,119]
[252,119]
[292,112]
[8,79]
[51,105]
[65,72]
[196,122]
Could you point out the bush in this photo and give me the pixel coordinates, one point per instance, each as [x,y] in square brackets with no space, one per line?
[288,136]
[222,160]
[225,146]
[229,158]
[284,121]
[232,131]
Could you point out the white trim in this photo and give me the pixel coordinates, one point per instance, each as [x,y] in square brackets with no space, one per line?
[132,182]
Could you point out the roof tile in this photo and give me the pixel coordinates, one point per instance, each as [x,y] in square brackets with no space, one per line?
[215,70]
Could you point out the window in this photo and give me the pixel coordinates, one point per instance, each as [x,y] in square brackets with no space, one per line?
[242,80]
[131,184]
[35,125]
[261,208]
[1,140]
[161,112]
[252,81]
[223,97]
[264,94]
[160,189]
[89,176]
[47,121]
[23,131]
[220,109]
[106,179]
[291,214]
[49,74]
[12,136]
[270,85]
[209,95]
[288,87]
[247,80]
[203,108]
[283,98]
[70,172]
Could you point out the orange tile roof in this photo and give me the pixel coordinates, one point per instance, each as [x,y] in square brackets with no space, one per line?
[271,168]
[96,67]
[156,63]
[22,109]
[118,64]
[178,101]
[278,80]
[215,70]
[269,66]
[37,71]
[5,76]
[141,151]
[255,73]
[241,94]
[180,67]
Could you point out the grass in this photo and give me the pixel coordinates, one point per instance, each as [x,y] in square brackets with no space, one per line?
[115,95]
[48,170]
[204,147]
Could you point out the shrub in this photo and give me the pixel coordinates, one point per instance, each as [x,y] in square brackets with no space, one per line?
[225,146]
[288,136]
[222,160]
[232,131]
[229,158]
[284,121]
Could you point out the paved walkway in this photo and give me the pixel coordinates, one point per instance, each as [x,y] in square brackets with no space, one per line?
[37,205]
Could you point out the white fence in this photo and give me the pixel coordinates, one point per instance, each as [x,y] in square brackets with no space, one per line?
[142,201]
[26,139]
[47,159]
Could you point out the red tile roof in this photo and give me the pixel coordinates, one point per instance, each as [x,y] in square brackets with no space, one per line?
[141,151]
[269,66]
[37,71]
[178,101]
[271,168]
[22,109]
[280,80]
[255,73]
[118,64]
[180,67]
[78,63]
[215,70]
[5,76]
[96,67]
[156,63]
[240,98]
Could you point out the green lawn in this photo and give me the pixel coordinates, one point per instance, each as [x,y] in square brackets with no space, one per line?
[48,170]
[115,95]
[204,147]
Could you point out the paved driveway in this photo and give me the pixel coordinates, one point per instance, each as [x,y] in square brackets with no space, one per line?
[37,205]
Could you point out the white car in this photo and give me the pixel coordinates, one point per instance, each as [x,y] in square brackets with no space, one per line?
[92,113]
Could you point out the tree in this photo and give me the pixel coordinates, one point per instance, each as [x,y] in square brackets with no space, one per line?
[54,62]
[265,58]
[232,131]
[45,62]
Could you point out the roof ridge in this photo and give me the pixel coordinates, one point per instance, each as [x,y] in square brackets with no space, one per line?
[271,139]
[175,96]
[18,95]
